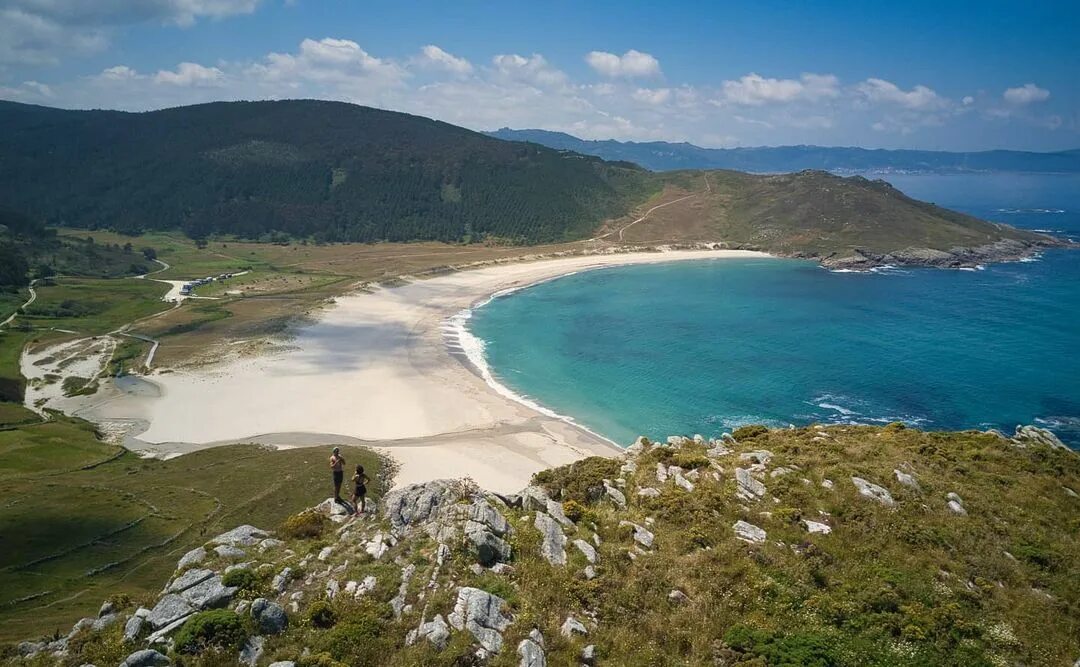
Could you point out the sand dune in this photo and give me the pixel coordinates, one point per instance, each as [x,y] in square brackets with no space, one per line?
[375,369]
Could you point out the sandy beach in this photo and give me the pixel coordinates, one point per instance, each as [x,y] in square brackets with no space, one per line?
[384,369]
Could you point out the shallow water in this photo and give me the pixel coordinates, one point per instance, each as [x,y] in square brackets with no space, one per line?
[702,347]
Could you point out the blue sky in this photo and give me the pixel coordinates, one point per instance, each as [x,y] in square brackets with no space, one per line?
[936,75]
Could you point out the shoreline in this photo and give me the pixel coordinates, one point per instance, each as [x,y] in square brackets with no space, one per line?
[378,369]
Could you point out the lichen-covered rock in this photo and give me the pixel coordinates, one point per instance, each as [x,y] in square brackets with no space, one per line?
[435,631]
[168,609]
[648,492]
[193,557]
[907,480]
[586,549]
[555,510]
[642,536]
[748,532]
[571,626]
[817,527]
[487,548]
[873,491]
[145,658]
[553,544]
[270,617]
[677,597]
[229,552]
[417,503]
[534,498]
[281,580]
[956,508]
[241,536]
[1033,435]
[760,456]
[251,651]
[531,650]
[189,579]
[617,496]
[209,594]
[133,627]
[481,613]
[748,488]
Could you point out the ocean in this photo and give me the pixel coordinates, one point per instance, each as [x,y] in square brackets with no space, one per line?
[707,346]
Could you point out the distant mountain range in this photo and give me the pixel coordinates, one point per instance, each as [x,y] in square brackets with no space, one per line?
[666,156]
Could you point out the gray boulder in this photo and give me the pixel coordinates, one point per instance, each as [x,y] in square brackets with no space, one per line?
[617,496]
[270,617]
[193,557]
[553,546]
[487,548]
[907,480]
[748,488]
[229,552]
[435,631]
[586,549]
[251,651]
[571,626]
[481,613]
[145,658]
[956,508]
[189,579]
[555,509]
[531,651]
[748,532]
[283,663]
[648,492]
[1033,435]
[417,503]
[168,609]
[132,628]
[241,536]
[873,491]
[281,580]
[641,535]
[209,594]
[534,498]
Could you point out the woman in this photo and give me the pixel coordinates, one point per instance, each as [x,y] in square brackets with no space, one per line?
[360,481]
[337,465]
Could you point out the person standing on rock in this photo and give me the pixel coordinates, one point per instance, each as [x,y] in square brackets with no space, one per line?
[337,465]
[360,480]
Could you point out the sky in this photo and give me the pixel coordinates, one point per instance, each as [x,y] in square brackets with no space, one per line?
[931,75]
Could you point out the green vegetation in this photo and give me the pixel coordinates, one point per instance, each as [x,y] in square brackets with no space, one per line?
[265,170]
[217,628]
[83,520]
[305,525]
[909,584]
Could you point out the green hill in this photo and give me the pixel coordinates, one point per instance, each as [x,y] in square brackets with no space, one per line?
[328,170]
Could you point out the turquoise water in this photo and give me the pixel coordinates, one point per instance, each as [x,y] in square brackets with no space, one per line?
[705,346]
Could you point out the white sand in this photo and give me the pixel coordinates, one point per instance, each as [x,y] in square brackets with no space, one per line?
[375,368]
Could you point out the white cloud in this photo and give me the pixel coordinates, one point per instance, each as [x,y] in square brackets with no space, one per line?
[435,58]
[1026,94]
[118,73]
[186,74]
[919,98]
[631,64]
[652,95]
[968,100]
[332,61]
[755,90]
[534,69]
[44,32]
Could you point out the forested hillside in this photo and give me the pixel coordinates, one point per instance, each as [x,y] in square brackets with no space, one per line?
[326,170]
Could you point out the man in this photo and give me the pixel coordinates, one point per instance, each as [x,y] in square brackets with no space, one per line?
[337,465]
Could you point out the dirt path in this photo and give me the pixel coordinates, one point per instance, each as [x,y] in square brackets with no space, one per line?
[621,230]
[33,297]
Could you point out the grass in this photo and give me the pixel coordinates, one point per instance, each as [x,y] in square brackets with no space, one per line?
[93,306]
[82,520]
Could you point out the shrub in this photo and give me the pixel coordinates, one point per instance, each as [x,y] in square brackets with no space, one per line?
[242,578]
[306,524]
[218,628]
[321,615]
[799,649]
[573,510]
[749,431]
[360,639]
[582,480]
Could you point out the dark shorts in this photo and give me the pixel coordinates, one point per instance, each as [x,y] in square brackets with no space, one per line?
[361,491]
[339,475]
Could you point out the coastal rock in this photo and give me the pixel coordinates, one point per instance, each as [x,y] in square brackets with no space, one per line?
[682,482]
[553,546]
[417,503]
[661,473]
[759,456]
[588,654]
[241,536]
[748,488]
[586,549]
[873,491]
[481,613]
[193,557]
[270,544]
[748,532]
[283,663]
[398,601]
[145,658]
[956,508]
[954,497]
[1033,435]
[648,492]
[907,480]
[435,631]
[571,626]
[325,553]
[555,510]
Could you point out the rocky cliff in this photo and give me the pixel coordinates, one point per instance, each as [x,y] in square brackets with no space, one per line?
[810,546]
